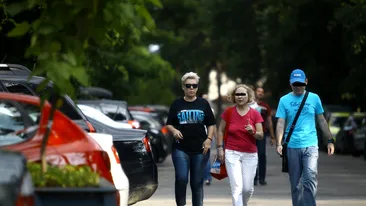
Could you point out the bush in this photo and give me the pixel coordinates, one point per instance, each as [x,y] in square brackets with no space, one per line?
[65,176]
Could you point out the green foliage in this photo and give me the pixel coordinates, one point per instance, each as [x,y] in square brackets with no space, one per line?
[66,176]
[64,30]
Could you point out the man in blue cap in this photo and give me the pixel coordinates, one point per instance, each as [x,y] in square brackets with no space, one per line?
[302,149]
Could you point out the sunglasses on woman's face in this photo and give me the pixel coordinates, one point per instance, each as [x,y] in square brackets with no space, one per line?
[241,94]
[188,86]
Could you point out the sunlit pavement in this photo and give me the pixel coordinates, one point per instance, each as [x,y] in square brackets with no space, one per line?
[342,181]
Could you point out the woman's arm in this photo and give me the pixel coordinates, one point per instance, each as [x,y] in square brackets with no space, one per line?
[220,133]
[259,131]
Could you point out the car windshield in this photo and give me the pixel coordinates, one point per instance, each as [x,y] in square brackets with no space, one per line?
[116,112]
[17,123]
[140,116]
[100,117]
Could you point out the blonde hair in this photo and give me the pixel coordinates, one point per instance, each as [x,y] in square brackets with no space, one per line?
[250,93]
[190,75]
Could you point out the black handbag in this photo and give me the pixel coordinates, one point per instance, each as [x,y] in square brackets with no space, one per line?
[284,146]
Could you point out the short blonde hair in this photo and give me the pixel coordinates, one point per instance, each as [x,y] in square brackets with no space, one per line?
[250,93]
[190,75]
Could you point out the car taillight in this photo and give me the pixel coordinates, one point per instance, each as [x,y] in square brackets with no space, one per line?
[90,127]
[164,130]
[135,124]
[106,159]
[26,197]
[115,153]
[147,144]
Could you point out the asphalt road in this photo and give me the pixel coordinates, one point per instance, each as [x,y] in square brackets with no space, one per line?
[342,181]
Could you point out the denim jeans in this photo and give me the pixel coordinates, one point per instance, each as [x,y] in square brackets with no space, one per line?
[207,175]
[241,167]
[303,172]
[262,160]
[189,163]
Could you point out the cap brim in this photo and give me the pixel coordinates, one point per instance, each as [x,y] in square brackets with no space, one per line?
[300,80]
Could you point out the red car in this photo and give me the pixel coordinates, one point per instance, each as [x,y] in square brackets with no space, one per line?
[23,125]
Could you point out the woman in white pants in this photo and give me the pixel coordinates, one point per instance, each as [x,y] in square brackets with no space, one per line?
[241,126]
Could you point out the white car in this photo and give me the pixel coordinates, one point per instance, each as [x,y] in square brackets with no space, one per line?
[119,177]
[100,117]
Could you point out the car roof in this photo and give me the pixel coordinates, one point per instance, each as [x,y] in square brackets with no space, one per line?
[14,69]
[100,101]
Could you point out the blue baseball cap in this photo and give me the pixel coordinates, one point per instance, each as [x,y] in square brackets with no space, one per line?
[297,76]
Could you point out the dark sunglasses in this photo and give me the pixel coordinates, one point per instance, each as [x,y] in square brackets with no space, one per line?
[298,84]
[241,94]
[191,85]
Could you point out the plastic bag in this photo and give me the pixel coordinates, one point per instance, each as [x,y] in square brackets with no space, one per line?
[218,170]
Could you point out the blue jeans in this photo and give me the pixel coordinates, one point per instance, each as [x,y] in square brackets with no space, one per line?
[303,165]
[262,160]
[195,164]
[207,175]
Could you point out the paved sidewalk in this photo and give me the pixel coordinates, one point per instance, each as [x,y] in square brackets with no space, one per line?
[342,181]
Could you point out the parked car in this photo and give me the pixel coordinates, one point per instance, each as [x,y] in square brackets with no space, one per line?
[120,179]
[335,121]
[93,113]
[160,114]
[22,128]
[143,181]
[162,110]
[345,140]
[160,146]
[115,109]
[134,150]
[15,79]
[16,185]
[360,138]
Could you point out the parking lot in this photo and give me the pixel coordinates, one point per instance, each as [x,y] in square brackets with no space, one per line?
[342,181]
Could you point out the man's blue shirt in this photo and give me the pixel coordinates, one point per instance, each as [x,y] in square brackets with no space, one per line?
[304,134]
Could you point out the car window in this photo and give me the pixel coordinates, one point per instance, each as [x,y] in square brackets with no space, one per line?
[15,87]
[67,108]
[13,128]
[115,112]
[146,117]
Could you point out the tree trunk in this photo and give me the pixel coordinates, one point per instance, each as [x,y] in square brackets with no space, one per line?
[219,99]
[54,105]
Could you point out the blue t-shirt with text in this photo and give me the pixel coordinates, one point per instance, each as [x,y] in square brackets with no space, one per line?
[304,134]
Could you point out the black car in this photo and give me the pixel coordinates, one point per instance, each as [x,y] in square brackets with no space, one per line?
[153,126]
[15,79]
[140,167]
[160,114]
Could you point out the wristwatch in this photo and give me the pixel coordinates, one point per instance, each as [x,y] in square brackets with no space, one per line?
[331,140]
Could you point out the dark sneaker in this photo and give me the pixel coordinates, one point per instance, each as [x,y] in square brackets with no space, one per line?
[262,182]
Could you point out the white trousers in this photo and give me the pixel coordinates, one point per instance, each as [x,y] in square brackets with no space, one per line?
[241,168]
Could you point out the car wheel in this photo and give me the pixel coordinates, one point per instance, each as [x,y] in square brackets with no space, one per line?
[340,147]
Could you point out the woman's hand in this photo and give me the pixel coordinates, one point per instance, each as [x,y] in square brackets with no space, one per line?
[206,146]
[177,134]
[250,128]
[221,154]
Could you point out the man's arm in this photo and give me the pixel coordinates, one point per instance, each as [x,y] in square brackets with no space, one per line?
[280,130]
[210,131]
[270,127]
[324,126]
